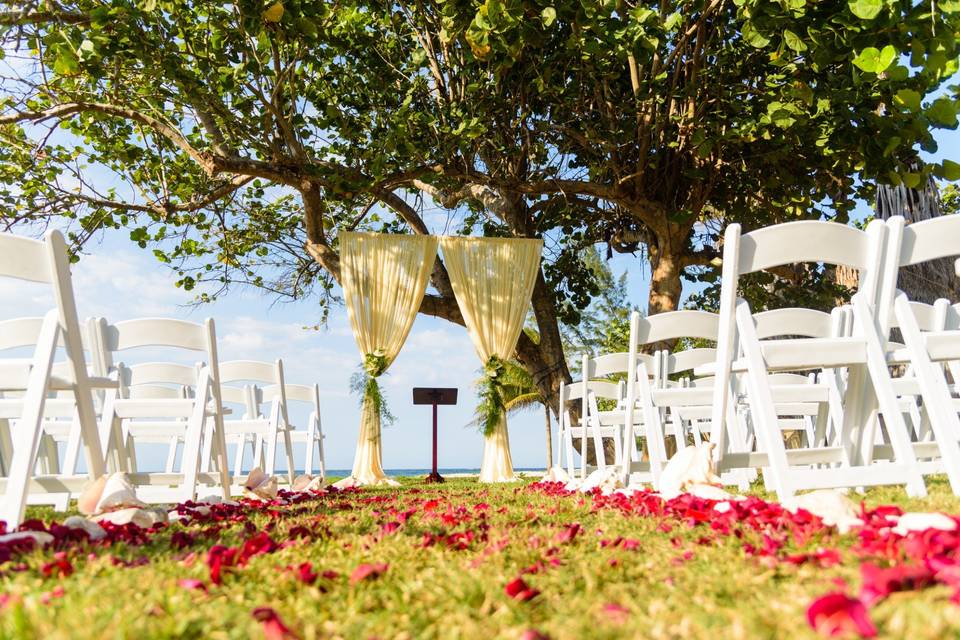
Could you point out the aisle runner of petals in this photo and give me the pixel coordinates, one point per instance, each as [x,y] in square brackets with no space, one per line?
[895,551]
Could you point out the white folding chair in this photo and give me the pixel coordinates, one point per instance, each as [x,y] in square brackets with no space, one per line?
[587,425]
[926,351]
[663,392]
[868,384]
[264,427]
[34,379]
[599,425]
[140,412]
[312,437]
[60,424]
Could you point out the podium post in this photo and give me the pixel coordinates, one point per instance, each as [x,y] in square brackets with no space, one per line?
[435,397]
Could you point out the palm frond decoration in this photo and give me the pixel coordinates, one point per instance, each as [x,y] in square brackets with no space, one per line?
[523,402]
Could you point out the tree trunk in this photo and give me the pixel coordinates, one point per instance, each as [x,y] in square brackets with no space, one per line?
[546,416]
[666,278]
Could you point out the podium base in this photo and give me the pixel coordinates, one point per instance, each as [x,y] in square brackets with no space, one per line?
[434,477]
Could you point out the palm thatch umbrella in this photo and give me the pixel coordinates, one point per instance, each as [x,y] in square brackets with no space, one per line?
[923,282]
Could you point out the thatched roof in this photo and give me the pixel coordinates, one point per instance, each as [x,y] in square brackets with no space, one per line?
[931,280]
[923,282]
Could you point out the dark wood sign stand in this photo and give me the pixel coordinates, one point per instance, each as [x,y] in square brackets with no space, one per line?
[435,397]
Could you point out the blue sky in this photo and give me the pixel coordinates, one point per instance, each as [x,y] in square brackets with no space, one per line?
[119,281]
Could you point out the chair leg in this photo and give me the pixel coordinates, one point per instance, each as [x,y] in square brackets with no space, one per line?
[935,393]
[72,453]
[129,445]
[656,446]
[258,459]
[288,446]
[238,456]
[172,454]
[311,440]
[886,398]
[762,408]
[30,426]
[323,463]
[193,437]
[6,447]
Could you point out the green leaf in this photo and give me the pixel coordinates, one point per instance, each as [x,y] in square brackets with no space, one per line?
[66,63]
[912,180]
[548,16]
[951,170]
[887,55]
[908,98]
[865,9]
[794,41]
[869,60]
[753,37]
[943,111]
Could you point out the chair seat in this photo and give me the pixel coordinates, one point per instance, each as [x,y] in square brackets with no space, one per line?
[941,345]
[14,374]
[157,408]
[799,354]
[12,408]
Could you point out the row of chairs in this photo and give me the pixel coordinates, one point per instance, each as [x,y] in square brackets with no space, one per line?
[870,388]
[77,394]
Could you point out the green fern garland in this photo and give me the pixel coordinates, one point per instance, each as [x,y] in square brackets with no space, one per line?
[491,408]
[364,382]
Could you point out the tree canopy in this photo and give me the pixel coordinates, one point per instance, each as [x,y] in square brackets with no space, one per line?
[236,140]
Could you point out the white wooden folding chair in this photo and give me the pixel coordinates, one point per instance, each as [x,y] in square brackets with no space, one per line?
[140,412]
[568,393]
[610,372]
[312,436]
[60,424]
[868,384]
[926,351]
[586,426]
[45,262]
[267,427]
[669,401]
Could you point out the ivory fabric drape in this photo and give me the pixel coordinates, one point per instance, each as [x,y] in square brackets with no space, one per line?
[384,278]
[492,279]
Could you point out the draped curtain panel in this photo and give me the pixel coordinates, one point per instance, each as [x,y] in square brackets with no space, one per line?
[493,279]
[384,278]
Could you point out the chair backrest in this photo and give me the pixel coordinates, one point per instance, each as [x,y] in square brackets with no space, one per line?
[24,332]
[255,371]
[673,325]
[806,323]
[233,395]
[952,322]
[929,317]
[807,241]
[161,332]
[158,373]
[910,244]
[48,262]
[269,373]
[294,393]
[606,365]
[602,389]
[678,362]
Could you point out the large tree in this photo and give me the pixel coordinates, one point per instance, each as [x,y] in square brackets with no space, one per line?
[237,140]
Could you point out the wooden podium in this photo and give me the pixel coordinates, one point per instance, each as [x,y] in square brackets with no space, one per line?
[435,397]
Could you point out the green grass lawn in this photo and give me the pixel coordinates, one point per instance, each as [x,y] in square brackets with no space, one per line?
[450,551]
